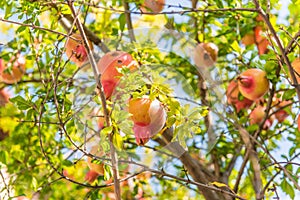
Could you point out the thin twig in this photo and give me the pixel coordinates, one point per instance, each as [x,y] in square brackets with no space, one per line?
[91,35]
[282,50]
[292,41]
[188,181]
[194,6]
[97,76]
[241,172]
[182,12]
[288,175]
[34,27]
[4,182]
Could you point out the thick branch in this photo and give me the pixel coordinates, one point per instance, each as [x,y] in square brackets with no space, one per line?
[208,124]
[254,161]
[195,169]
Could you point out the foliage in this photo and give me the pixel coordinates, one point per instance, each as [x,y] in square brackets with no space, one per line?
[201,153]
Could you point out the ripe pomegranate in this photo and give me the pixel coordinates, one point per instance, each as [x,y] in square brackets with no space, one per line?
[253,83]
[248,39]
[4,97]
[98,168]
[12,71]
[233,94]
[149,118]
[257,115]
[101,122]
[260,40]
[108,67]
[155,6]
[91,176]
[296,67]
[281,106]
[205,54]
[75,49]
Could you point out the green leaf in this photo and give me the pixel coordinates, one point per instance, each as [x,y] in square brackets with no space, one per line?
[288,94]
[20,29]
[30,114]
[34,183]
[21,103]
[67,163]
[219,3]
[107,172]
[288,188]
[122,21]
[107,130]
[3,157]
[8,10]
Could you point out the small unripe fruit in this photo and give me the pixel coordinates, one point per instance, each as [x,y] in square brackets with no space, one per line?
[298,122]
[21,198]
[101,122]
[263,46]
[91,176]
[259,18]
[17,69]
[257,115]
[149,118]
[4,97]
[248,39]
[155,6]
[205,55]
[296,67]
[3,134]
[98,168]
[281,115]
[258,33]
[75,49]
[281,106]
[233,94]
[108,68]
[261,41]
[253,83]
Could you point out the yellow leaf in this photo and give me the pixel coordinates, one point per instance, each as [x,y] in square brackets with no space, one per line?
[221,185]
[8,123]
[218,184]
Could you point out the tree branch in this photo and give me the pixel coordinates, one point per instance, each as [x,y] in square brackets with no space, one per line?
[129,21]
[97,76]
[182,12]
[254,161]
[195,169]
[282,50]
[292,41]
[90,35]
[194,6]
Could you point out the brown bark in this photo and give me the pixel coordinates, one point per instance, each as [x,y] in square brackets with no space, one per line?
[197,171]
